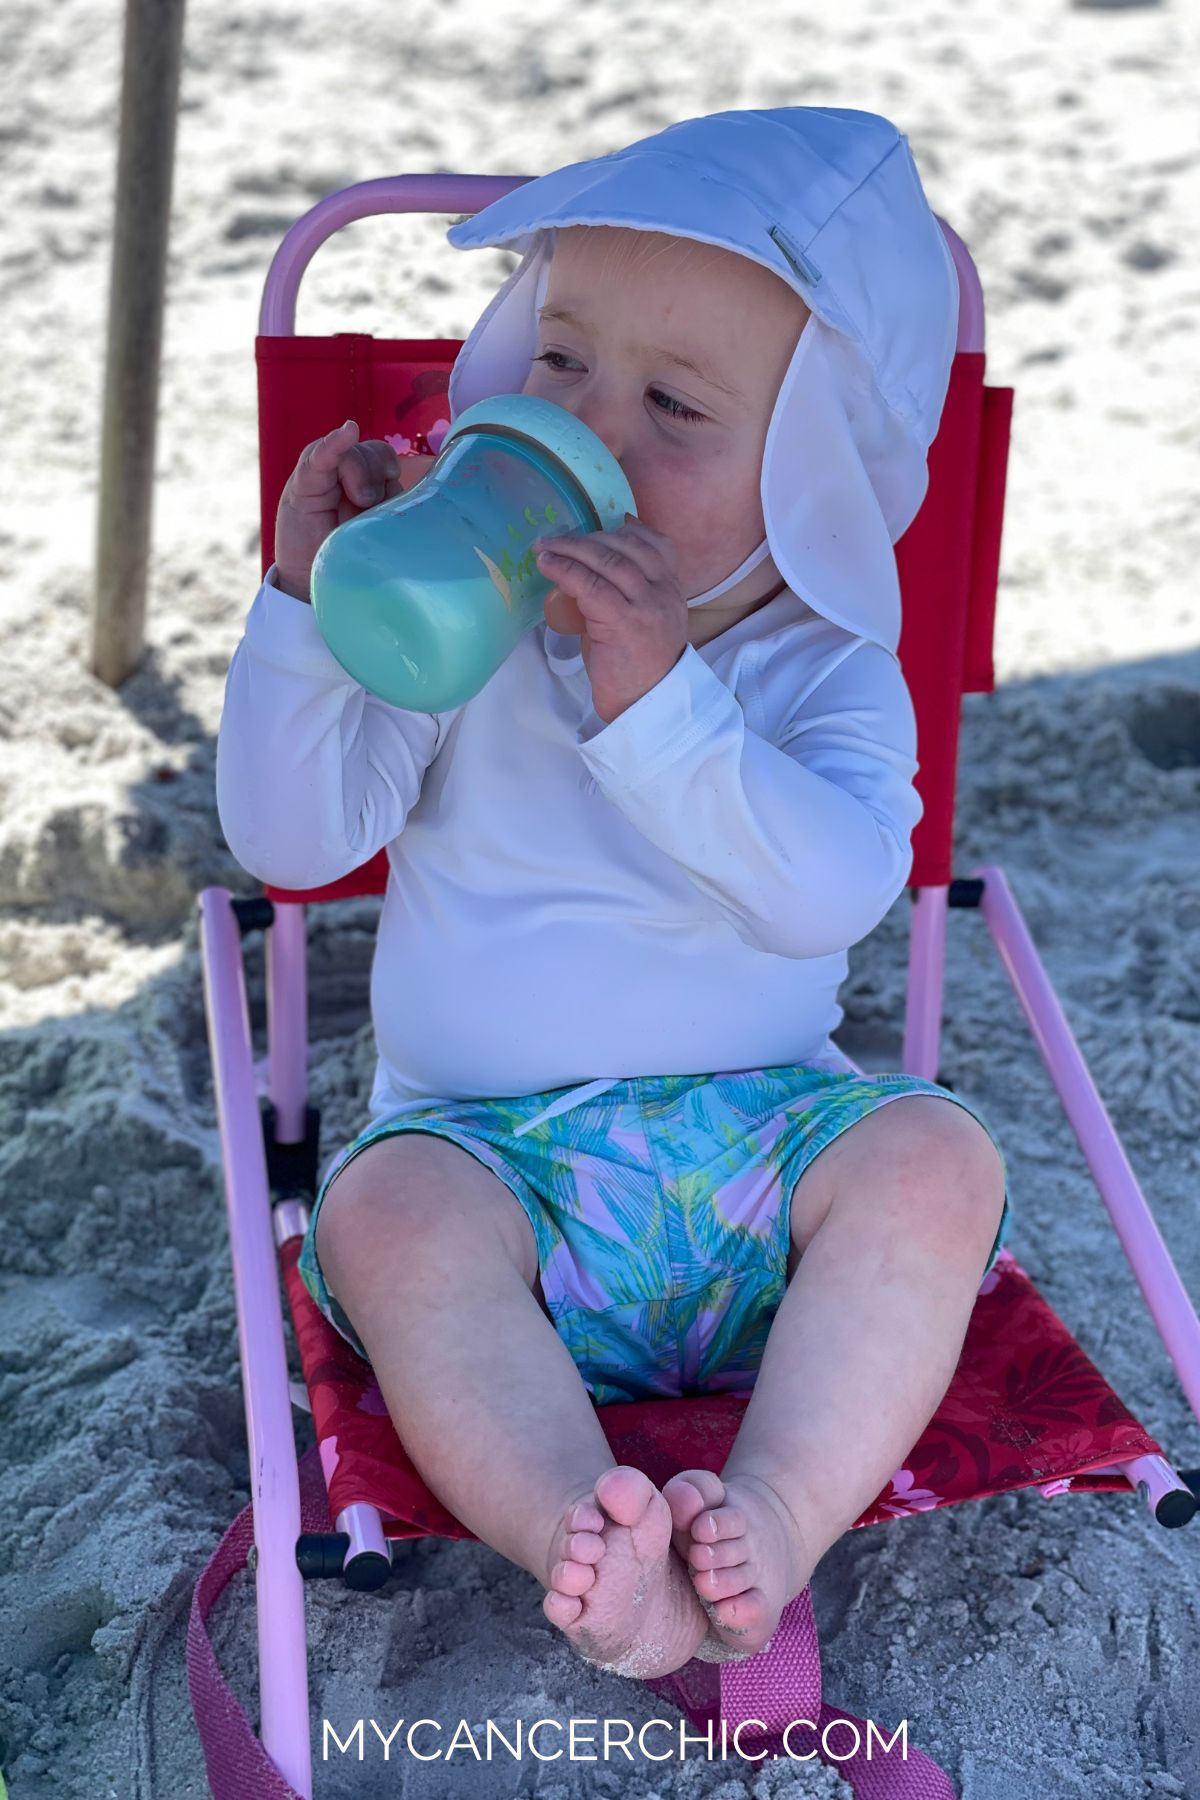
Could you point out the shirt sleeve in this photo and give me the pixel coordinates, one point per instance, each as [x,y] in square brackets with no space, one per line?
[801,843]
[314,774]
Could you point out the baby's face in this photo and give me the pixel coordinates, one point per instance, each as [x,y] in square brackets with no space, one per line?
[641,297]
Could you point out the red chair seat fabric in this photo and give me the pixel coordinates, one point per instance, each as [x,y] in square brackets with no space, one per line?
[1026,1408]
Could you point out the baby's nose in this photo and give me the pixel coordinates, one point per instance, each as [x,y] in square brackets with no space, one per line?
[605,420]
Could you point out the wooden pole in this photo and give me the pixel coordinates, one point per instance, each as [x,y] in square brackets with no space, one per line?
[149,102]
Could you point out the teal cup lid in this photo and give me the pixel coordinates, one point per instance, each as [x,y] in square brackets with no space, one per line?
[550,427]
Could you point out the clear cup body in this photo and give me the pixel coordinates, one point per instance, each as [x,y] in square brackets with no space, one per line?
[422,598]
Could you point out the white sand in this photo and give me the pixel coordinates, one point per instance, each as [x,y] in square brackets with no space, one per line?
[1035,1648]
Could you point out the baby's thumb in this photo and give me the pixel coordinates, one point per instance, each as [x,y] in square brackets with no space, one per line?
[563,614]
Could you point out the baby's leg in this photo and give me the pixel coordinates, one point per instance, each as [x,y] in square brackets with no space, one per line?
[891,1227]
[435,1263]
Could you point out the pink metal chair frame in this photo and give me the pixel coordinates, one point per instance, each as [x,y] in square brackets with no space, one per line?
[279,1586]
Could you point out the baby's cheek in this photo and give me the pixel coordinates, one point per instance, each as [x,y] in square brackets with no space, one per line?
[697,538]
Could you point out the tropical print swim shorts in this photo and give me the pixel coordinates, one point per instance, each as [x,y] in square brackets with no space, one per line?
[658,1207]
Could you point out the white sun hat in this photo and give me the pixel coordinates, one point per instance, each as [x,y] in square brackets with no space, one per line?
[829,199]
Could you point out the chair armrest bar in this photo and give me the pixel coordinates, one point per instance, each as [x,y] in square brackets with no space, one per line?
[442,193]
[445,192]
[970,291]
[1140,1238]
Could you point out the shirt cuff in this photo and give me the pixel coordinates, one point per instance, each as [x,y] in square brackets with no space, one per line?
[678,712]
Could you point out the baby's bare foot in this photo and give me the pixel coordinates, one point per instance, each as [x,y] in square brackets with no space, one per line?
[746,1553]
[617,1589]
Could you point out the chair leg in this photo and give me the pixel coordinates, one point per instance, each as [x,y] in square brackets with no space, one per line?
[287,1019]
[926,975]
[274,1475]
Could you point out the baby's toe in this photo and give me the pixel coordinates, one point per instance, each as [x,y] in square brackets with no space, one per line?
[723,1584]
[561,1609]
[584,1515]
[568,1577]
[625,1494]
[724,1555]
[716,1524]
[748,1617]
[583,1547]
[689,1492]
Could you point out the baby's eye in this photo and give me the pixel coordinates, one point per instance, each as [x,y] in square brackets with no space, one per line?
[676,408]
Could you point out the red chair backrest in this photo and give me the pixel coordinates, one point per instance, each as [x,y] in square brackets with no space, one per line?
[948,558]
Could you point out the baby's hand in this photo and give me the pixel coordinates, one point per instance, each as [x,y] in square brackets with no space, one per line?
[620,591]
[335,479]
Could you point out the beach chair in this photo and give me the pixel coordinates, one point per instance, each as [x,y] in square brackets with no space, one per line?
[1027,1408]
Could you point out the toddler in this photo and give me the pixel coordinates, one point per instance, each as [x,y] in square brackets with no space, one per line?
[613,1152]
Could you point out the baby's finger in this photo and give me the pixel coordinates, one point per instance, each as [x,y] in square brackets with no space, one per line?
[612,582]
[317,467]
[590,597]
[364,471]
[621,559]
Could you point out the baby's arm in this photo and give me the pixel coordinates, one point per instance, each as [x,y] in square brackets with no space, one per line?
[314,774]
[801,840]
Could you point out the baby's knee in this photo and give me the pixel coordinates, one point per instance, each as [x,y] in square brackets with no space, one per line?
[951,1140]
[367,1219]
[420,1206]
[925,1169]
[958,1179]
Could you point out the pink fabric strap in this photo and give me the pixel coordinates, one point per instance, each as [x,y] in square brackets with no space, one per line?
[776,1688]
[781,1688]
[785,1684]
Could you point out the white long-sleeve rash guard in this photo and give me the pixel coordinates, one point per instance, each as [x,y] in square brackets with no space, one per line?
[569,901]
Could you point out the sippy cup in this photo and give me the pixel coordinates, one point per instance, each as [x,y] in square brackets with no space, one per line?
[422,598]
